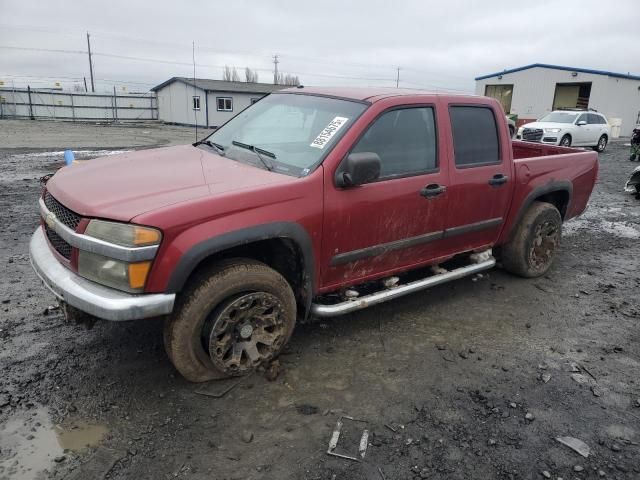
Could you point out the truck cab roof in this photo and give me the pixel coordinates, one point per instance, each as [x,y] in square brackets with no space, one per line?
[365,94]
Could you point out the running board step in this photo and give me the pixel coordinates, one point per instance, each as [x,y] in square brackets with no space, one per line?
[359,303]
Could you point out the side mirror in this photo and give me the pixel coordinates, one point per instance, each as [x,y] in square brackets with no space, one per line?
[581,123]
[358,168]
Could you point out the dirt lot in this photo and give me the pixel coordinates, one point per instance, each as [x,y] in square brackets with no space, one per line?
[473,379]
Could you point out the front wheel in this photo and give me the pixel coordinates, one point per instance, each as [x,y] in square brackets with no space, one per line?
[531,250]
[602,144]
[230,321]
[565,141]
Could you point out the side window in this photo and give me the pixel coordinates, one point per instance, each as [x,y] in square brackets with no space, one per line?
[405,141]
[475,136]
[594,119]
[582,118]
[603,120]
[196,103]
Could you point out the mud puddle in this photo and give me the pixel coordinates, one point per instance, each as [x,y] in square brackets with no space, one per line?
[30,444]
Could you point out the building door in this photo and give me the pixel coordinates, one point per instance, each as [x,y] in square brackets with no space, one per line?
[572,95]
[502,93]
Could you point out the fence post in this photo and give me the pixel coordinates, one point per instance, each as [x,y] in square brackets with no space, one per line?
[30,104]
[115,106]
[73,111]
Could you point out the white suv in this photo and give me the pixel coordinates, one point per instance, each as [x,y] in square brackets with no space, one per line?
[578,128]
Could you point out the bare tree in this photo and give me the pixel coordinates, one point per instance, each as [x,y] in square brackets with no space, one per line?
[251,76]
[230,74]
[287,79]
[226,74]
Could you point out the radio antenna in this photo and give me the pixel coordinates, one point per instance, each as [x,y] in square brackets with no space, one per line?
[195,89]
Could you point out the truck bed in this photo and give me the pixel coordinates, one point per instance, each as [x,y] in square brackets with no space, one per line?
[539,168]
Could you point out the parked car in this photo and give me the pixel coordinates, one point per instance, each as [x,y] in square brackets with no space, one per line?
[512,126]
[311,202]
[578,128]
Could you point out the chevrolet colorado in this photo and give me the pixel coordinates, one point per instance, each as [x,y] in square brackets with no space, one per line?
[311,202]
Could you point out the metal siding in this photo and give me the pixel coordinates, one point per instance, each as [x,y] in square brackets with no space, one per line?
[533,92]
[174,104]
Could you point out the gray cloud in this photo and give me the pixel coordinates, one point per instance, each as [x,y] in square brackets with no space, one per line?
[443,45]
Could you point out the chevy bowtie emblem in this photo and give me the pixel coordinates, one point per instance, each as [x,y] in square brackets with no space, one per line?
[50,219]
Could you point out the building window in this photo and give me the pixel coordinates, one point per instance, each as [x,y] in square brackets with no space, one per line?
[254,100]
[196,103]
[502,93]
[225,104]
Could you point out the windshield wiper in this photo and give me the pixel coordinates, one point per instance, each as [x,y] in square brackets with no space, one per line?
[259,152]
[211,144]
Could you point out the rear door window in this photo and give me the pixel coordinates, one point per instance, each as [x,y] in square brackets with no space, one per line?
[594,119]
[475,135]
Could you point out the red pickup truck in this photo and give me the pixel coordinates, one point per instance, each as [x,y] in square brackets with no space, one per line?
[311,202]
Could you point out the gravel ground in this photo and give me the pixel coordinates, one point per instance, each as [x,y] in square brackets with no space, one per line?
[473,379]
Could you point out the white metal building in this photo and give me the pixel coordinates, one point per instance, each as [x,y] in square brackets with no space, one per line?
[210,103]
[533,90]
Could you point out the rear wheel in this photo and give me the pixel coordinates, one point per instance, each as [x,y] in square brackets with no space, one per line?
[531,250]
[230,321]
[602,144]
[565,141]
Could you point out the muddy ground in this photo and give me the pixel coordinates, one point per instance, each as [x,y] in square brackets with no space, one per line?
[474,379]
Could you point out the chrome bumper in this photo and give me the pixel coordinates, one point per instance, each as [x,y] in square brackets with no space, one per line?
[90,297]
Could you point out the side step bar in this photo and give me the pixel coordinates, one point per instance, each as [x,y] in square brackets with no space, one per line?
[359,303]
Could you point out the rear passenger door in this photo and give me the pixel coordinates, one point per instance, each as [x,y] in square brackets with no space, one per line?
[582,134]
[595,127]
[481,177]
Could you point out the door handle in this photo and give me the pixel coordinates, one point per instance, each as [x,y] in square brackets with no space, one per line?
[498,179]
[433,190]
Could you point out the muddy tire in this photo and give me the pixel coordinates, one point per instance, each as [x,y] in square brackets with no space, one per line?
[230,320]
[532,247]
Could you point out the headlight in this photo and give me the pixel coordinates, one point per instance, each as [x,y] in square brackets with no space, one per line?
[552,130]
[520,130]
[123,234]
[130,277]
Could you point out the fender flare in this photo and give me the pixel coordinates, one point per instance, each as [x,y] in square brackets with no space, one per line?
[286,230]
[557,186]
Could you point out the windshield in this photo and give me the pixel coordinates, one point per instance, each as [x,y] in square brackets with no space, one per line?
[559,117]
[295,130]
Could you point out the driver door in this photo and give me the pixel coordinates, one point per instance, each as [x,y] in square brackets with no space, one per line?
[395,221]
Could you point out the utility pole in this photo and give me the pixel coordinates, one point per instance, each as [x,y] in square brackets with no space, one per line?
[93,89]
[275,69]
[398,78]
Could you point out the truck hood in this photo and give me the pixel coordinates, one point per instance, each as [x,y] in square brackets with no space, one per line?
[562,126]
[124,186]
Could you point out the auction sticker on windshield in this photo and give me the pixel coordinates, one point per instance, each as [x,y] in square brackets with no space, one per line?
[328,132]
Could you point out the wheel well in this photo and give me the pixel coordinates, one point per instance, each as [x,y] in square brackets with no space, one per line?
[559,199]
[281,254]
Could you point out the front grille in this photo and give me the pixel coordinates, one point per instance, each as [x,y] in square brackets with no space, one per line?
[62,213]
[532,134]
[62,247]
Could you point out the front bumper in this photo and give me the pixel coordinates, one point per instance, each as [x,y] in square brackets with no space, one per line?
[90,297]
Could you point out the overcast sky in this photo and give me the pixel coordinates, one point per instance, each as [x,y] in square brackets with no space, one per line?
[437,45]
